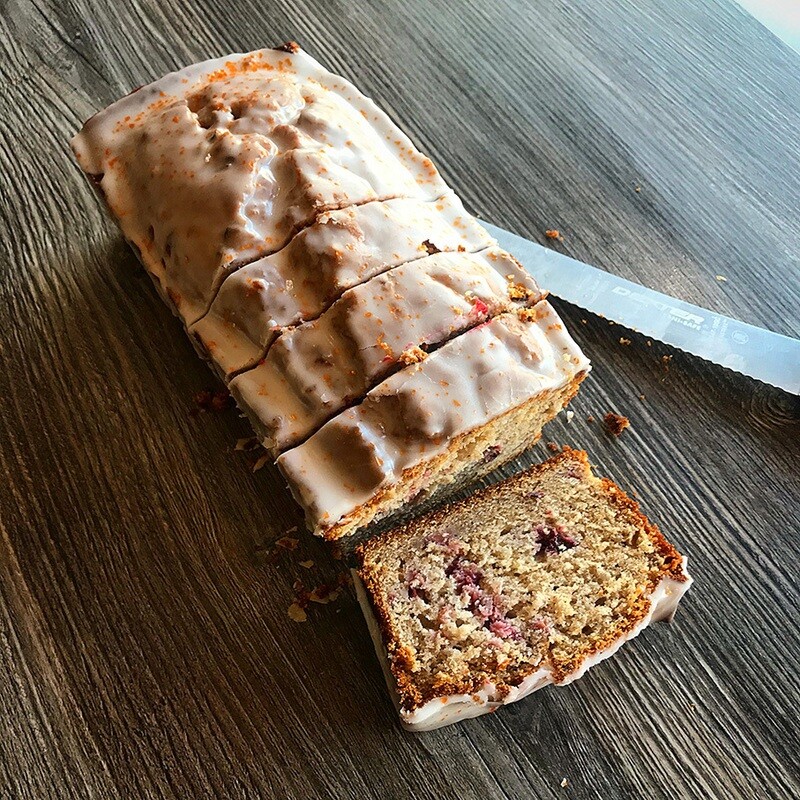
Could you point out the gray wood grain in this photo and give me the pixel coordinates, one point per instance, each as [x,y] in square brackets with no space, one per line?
[145,648]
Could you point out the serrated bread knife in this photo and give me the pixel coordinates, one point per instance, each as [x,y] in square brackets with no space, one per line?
[755,352]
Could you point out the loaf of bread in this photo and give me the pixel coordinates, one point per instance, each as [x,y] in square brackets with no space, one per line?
[525,584]
[381,345]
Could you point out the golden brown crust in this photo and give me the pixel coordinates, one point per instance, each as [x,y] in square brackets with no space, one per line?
[401,660]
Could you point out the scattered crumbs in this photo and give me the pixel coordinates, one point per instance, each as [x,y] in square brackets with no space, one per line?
[552,233]
[615,423]
[553,447]
[260,461]
[611,322]
[642,397]
[692,706]
[590,418]
[324,594]
[413,355]
[665,360]
[721,278]
[251,443]
[649,343]
[624,341]
[584,322]
[306,564]
[638,189]
[570,415]
[287,543]
[217,401]
[564,781]
[296,613]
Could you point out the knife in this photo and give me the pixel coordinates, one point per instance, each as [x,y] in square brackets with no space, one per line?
[755,352]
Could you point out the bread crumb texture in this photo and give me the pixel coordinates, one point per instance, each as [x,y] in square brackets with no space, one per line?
[544,569]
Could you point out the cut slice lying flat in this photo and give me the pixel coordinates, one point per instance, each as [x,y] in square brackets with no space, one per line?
[527,583]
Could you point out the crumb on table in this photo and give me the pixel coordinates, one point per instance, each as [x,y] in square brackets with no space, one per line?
[615,423]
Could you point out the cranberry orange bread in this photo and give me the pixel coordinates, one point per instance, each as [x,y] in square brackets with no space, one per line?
[527,583]
[476,402]
[315,370]
[272,203]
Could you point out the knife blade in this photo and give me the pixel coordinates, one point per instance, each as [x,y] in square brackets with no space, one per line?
[758,353]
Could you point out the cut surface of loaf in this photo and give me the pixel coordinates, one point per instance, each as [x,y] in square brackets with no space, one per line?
[317,369]
[476,402]
[526,583]
[338,251]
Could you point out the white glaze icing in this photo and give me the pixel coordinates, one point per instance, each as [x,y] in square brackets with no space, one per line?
[414,414]
[446,710]
[339,250]
[220,163]
[315,370]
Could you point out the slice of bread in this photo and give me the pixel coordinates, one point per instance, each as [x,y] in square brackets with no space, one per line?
[529,582]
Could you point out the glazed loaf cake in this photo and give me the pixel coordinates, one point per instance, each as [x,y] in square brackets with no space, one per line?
[525,584]
[320,263]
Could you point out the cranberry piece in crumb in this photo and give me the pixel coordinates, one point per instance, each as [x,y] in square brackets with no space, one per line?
[416,584]
[479,306]
[553,539]
[463,573]
[504,629]
[431,247]
[446,540]
[491,453]
[615,423]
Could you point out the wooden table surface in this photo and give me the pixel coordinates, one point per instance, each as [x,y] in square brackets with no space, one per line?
[145,647]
